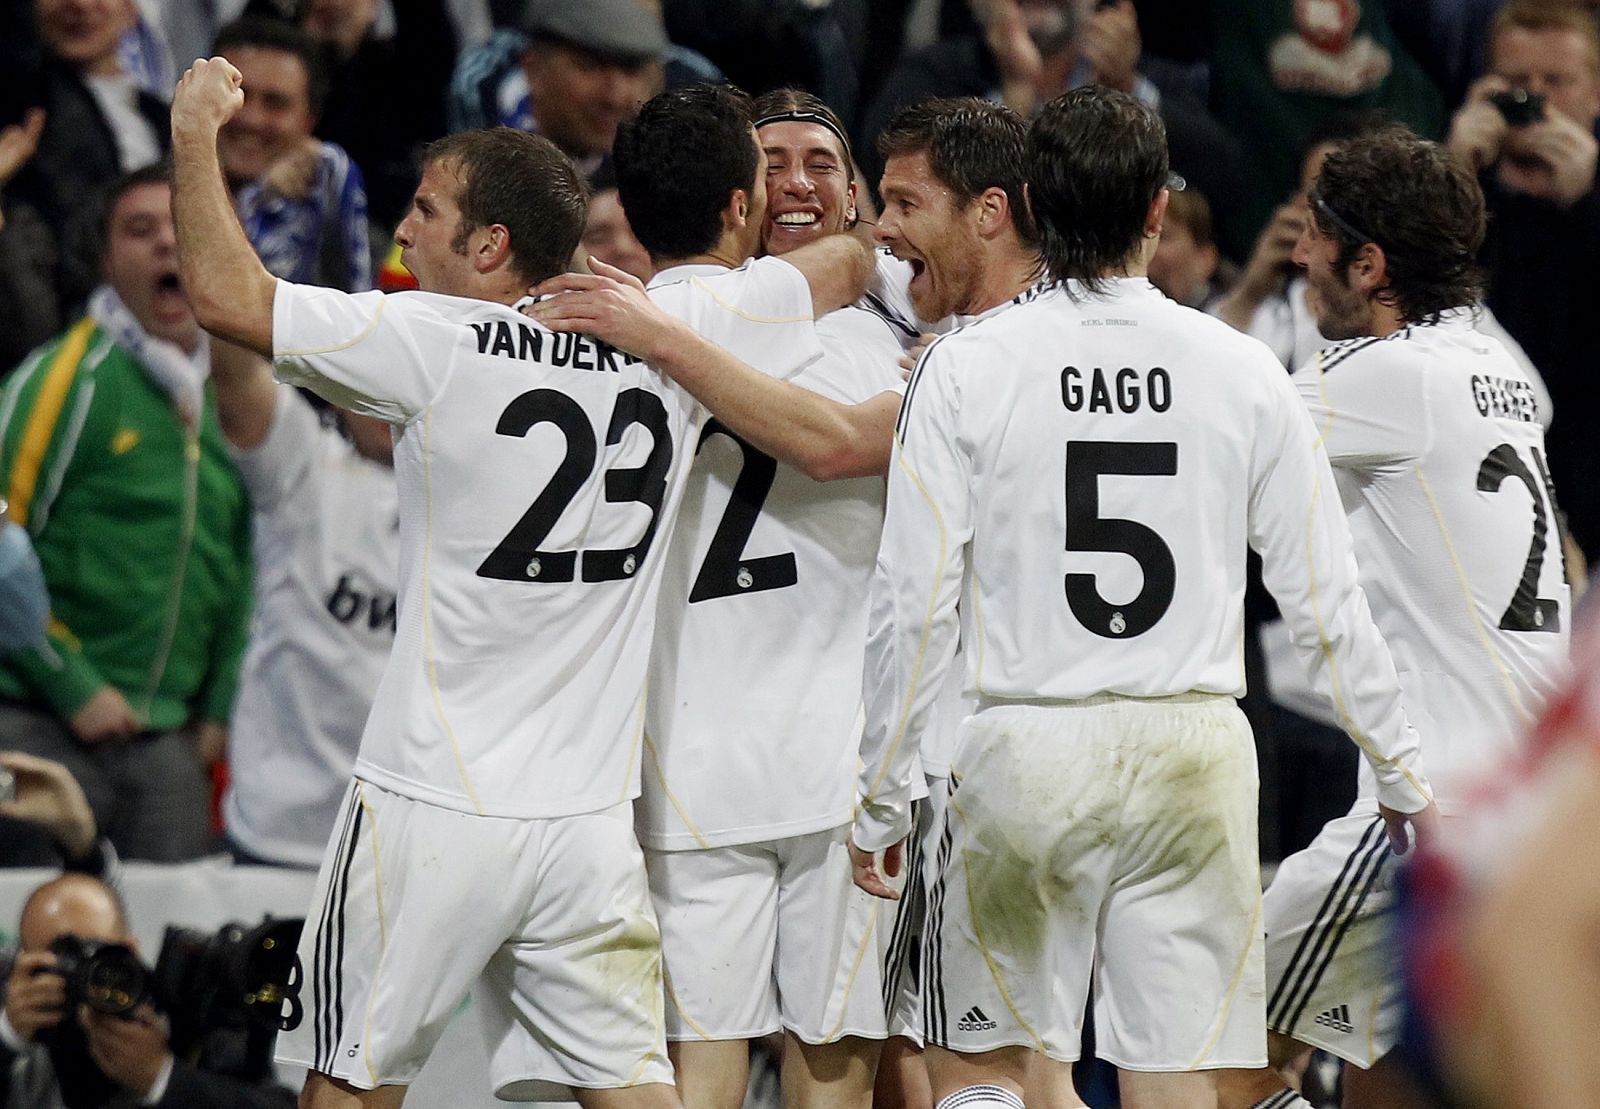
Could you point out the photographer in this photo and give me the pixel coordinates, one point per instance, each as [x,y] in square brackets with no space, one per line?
[56,1054]
[1528,128]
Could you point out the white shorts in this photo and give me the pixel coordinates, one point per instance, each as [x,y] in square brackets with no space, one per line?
[762,936]
[1112,839]
[902,922]
[547,922]
[1332,980]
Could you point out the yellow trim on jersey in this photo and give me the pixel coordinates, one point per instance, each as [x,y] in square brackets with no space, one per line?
[977,623]
[430,661]
[983,944]
[922,644]
[383,932]
[56,628]
[366,332]
[666,984]
[42,418]
[1335,684]
[1466,592]
[1233,988]
[701,285]
[850,982]
[655,761]
[633,752]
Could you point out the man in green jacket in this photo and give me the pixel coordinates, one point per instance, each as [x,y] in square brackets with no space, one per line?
[112,458]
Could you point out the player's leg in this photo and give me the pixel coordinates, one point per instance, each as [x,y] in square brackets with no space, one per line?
[656,1095]
[1021,874]
[1384,1085]
[1050,1085]
[323,1092]
[1180,981]
[902,1078]
[386,955]
[1329,982]
[830,975]
[718,913]
[1263,1086]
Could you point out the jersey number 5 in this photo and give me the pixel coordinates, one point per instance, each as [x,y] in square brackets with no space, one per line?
[1087,530]
[518,557]
[1527,612]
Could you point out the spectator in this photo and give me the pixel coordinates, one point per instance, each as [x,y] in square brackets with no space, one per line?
[1538,178]
[98,124]
[47,820]
[302,202]
[30,309]
[574,73]
[1281,69]
[326,516]
[385,92]
[1185,262]
[51,1058]
[113,460]
[606,233]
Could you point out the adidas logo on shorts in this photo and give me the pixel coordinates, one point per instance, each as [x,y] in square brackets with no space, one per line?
[1337,1018]
[975,1020]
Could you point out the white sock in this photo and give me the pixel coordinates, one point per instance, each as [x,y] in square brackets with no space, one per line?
[1283,1099]
[981,1097]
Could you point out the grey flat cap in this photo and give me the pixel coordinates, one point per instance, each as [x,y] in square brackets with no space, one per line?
[616,28]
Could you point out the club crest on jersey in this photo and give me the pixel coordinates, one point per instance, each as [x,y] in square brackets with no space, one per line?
[1126,390]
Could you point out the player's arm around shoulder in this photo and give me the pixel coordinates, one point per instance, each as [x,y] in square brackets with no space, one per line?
[837,269]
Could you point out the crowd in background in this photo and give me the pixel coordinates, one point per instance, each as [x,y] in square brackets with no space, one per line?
[150,571]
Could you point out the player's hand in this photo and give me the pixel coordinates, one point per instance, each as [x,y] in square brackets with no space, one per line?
[864,865]
[49,796]
[1553,159]
[1273,258]
[1401,826]
[208,95]
[609,304]
[18,143]
[1479,130]
[1112,46]
[908,360]
[132,1049]
[291,175]
[36,996]
[105,716]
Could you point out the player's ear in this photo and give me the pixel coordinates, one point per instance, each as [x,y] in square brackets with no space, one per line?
[492,247]
[737,212]
[1156,217]
[994,211]
[1369,269]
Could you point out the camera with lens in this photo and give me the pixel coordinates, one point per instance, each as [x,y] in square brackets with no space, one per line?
[1520,107]
[107,977]
[240,979]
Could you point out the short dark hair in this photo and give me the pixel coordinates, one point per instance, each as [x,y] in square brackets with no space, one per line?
[1191,210]
[971,145]
[678,160]
[1419,204]
[783,101]
[267,33]
[523,182]
[111,195]
[1097,158]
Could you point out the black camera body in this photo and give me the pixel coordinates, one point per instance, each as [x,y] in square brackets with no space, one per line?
[237,977]
[107,977]
[1519,106]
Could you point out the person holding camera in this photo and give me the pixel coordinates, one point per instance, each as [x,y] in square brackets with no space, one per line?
[1528,129]
[59,1050]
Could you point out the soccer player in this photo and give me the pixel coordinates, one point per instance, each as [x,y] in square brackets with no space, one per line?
[1433,430]
[488,831]
[1084,472]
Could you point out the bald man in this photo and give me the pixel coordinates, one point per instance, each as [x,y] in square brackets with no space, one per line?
[48,1060]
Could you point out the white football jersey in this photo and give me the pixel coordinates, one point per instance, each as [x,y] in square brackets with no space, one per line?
[327,553]
[754,721]
[1094,467]
[1434,433]
[539,477]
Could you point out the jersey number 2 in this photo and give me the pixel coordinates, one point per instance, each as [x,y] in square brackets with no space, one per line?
[1527,612]
[518,557]
[1087,530]
[726,572]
